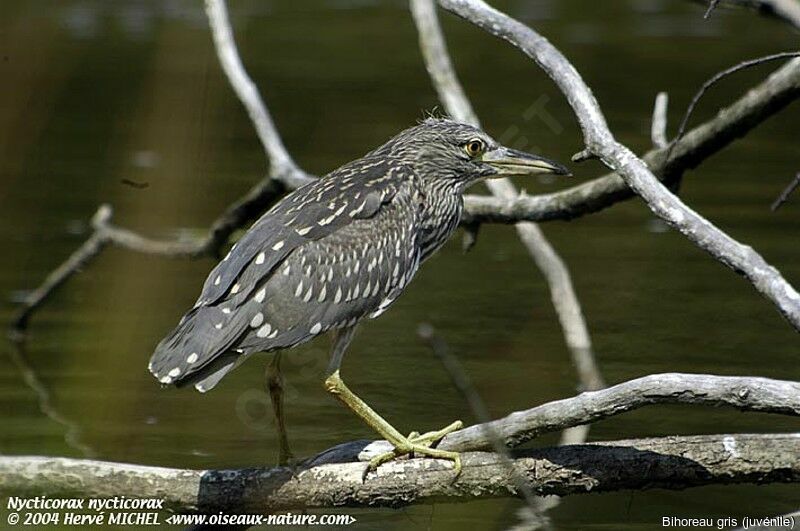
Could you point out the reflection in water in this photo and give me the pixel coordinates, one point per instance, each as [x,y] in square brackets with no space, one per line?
[72,436]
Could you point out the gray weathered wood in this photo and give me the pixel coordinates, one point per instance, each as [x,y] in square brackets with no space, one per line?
[670,462]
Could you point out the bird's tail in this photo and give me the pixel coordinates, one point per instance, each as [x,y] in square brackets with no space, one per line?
[196,351]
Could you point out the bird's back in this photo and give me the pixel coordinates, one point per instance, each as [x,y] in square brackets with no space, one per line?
[331,253]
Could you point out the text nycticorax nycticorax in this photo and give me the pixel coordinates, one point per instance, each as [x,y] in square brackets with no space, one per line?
[337,251]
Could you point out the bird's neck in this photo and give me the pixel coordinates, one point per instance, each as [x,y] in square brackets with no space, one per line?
[442,204]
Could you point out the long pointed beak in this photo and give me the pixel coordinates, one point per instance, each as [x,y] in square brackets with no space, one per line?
[510,162]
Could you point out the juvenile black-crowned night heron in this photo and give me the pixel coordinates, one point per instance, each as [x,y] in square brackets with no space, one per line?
[334,252]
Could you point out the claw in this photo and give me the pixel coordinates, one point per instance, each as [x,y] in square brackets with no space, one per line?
[420,445]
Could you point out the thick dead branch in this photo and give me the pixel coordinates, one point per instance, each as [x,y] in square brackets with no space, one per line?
[743,393]
[334,479]
[670,462]
[599,140]
[730,123]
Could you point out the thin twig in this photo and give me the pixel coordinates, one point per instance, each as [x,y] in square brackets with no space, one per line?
[787,11]
[718,77]
[784,196]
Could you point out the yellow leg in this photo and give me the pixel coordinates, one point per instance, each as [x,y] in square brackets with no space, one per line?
[415,444]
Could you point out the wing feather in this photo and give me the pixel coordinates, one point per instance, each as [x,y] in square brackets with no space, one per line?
[242,286]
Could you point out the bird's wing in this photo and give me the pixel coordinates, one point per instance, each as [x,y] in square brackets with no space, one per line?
[354,191]
[353,273]
[223,315]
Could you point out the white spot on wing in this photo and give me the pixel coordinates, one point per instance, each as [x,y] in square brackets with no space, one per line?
[260,295]
[257,319]
[260,258]
[192,357]
[264,330]
[277,246]
[316,328]
[174,372]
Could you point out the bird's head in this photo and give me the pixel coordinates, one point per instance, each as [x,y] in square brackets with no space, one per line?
[446,149]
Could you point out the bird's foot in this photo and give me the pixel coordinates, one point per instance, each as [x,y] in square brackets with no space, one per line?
[419,445]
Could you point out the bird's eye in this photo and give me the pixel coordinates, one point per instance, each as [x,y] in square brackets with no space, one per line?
[474,147]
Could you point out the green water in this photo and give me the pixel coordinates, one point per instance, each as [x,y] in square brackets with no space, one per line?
[93,92]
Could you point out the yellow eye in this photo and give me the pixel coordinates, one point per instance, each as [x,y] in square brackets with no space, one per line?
[474,147]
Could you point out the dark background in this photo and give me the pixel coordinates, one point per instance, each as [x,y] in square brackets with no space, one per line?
[93,92]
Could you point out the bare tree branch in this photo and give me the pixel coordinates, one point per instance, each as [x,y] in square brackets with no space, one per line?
[283,174]
[534,516]
[712,4]
[730,123]
[669,462]
[658,129]
[478,407]
[562,293]
[599,140]
[784,195]
[785,10]
[333,479]
[719,76]
[769,97]
[741,392]
[281,165]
